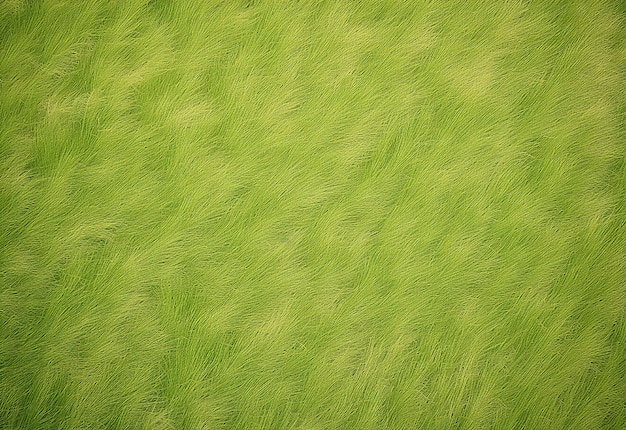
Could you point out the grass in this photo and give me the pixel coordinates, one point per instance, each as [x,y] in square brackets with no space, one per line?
[312,215]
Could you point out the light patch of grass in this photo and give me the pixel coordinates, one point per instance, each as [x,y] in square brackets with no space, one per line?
[312,215]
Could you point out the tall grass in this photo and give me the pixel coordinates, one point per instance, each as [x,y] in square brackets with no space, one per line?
[312,215]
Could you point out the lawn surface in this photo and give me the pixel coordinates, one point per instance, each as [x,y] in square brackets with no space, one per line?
[312,214]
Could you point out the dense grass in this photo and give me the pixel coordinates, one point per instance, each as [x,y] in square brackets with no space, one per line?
[312,215]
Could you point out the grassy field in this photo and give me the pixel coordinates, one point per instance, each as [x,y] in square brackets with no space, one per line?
[312,214]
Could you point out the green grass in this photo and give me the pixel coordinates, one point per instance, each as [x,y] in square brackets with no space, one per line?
[312,214]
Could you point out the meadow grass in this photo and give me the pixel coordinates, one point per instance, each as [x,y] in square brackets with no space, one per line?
[312,214]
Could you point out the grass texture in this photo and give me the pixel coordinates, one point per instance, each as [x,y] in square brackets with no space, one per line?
[312,214]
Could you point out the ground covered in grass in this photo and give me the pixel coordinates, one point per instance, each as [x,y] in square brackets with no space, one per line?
[312,215]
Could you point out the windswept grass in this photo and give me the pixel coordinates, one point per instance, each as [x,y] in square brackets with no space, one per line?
[312,215]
